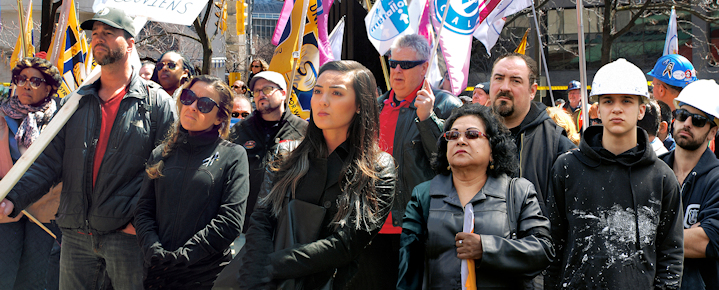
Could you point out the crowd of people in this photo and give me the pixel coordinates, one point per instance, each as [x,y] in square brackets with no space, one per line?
[160,170]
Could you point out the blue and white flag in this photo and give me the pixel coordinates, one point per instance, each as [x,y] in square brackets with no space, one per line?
[387,20]
[671,44]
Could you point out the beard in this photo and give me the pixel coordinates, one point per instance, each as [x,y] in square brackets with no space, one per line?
[268,108]
[113,55]
[690,144]
[503,107]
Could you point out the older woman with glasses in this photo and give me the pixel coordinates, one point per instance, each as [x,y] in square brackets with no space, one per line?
[473,217]
[26,247]
[192,201]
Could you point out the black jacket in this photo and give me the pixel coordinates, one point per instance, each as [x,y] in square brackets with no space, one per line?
[435,215]
[194,209]
[336,249]
[414,143]
[70,156]
[616,220]
[539,142]
[700,198]
[254,138]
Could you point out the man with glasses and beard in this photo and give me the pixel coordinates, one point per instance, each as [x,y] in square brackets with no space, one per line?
[100,156]
[269,125]
[697,170]
[411,120]
[539,140]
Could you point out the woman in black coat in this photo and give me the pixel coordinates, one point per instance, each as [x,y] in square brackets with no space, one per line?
[193,199]
[338,176]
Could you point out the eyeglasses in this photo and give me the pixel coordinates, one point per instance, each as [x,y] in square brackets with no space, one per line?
[238,114]
[470,134]
[256,66]
[20,81]
[697,120]
[266,90]
[405,64]
[170,65]
[204,104]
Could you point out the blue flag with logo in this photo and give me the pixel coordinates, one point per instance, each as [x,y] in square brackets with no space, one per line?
[387,20]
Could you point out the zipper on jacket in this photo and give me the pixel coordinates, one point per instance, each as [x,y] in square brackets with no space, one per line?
[521,148]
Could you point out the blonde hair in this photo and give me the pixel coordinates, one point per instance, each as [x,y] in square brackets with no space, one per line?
[564,120]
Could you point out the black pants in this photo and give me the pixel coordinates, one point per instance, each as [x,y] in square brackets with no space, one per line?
[378,264]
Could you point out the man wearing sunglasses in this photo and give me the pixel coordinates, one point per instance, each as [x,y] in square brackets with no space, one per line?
[411,120]
[269,125]
[100,156]
[697,170]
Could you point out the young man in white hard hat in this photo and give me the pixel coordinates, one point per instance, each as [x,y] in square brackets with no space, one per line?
[614,206]
[697,170]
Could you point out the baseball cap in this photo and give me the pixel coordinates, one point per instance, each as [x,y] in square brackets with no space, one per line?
[113,17]
[270,76]
[484,86]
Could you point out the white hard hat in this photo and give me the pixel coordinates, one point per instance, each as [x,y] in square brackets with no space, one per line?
[703,95]
[620,77]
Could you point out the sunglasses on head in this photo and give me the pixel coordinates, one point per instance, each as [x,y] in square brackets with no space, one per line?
[170,65]
[469,134]
[405,64]
[204,104]
[20,81]
[238,114]
[266,90]
[697,120]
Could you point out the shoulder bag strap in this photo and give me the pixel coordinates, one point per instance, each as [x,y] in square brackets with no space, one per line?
[511,214]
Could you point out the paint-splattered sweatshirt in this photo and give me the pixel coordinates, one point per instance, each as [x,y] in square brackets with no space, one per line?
[616,219]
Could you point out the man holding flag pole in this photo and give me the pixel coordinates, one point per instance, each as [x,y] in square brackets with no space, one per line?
[100,155]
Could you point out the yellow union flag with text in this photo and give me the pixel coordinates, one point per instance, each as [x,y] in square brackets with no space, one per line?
[309,61]
[73,52]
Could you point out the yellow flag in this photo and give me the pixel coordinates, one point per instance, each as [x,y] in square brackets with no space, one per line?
[29,50]
[522,45]
[73,51]
[305,76]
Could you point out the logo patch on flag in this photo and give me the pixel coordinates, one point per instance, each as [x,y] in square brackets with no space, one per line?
[394,11]
[462,15]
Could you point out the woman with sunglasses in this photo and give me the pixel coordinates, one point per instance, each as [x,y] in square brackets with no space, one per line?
[473,211]
[193,199]
[256,66]
[26,247]
[172,70]
[337,169]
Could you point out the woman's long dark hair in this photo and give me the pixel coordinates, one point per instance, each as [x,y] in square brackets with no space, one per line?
[504,151]
[358,200]
[176,135]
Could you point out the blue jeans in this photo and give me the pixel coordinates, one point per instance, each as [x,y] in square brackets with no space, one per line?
[84,260]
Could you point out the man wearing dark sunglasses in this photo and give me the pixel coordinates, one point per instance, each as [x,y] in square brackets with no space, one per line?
[411,121]
[269,125]
[100,156]
[697,170]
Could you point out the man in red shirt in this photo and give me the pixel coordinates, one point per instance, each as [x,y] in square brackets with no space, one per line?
[100,156]
[411,120]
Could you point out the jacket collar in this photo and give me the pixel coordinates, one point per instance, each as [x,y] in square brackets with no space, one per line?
[137,88]
[706,163]
[442,187]
[591,145]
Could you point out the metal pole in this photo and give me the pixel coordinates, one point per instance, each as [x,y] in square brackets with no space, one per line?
[436,40]
[582,64]
[541,49]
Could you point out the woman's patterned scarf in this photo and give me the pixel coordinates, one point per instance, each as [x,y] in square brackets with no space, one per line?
[32,118]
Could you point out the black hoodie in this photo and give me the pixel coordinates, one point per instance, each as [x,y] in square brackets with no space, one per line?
[700,198]
[593,201]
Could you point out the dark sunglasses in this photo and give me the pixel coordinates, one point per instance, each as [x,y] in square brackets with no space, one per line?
[238,87]
[238,114]
[256,66]
[170,65]
[697,120]
[204,104]
[20,81]
[405,64]
[470,134]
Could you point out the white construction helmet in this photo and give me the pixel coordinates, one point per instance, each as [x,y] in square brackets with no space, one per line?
[619,77]
[703,95]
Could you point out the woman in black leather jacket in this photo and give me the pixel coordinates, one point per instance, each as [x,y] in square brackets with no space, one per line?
[337,176]
[192,201]
[462,214]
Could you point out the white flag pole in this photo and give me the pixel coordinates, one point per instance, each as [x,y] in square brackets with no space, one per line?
[436,39]
[582,64]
